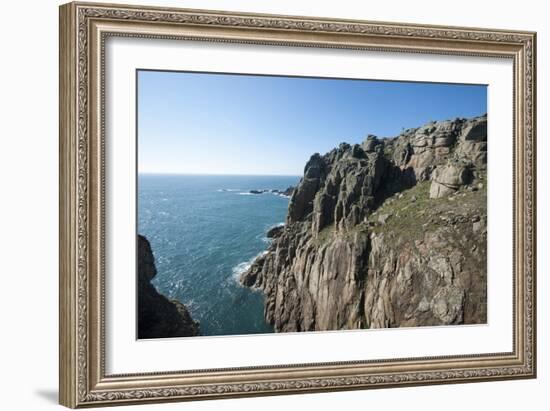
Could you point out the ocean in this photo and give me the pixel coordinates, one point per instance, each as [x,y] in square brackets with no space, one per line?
[204,231]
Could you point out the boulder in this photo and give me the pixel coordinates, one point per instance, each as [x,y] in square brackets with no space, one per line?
[472,143]
[370,143]
[448,178]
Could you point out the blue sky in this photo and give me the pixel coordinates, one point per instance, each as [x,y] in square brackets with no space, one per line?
[196,123]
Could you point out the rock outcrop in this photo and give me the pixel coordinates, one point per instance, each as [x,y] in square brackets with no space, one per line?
[158,317]
[274,232]
[388,233]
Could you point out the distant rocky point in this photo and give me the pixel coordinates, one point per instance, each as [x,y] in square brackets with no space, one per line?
[287,193]
[388,233]
[158,317]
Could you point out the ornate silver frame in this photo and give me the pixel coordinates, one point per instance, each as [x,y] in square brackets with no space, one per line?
[83,30]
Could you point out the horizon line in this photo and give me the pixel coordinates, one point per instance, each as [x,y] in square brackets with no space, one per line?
[215,174]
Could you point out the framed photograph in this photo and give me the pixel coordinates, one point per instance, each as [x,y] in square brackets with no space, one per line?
[259,204]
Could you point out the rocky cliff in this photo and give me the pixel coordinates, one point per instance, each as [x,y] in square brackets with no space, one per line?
[158,317]
[388,233]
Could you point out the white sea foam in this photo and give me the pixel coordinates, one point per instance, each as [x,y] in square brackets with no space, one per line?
[241,268]
[264,237]
[221,190]
[244,266]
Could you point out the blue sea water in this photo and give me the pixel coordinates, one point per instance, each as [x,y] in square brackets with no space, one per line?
[204,231]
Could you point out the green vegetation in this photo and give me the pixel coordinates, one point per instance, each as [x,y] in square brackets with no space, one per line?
[412,211]
[409,213]
[329,233]
[324,235]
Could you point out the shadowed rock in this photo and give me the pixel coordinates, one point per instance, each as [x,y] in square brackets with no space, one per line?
[288,191]
[158,317]
[275,232]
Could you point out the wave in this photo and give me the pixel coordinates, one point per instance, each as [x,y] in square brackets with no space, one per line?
[229,190]
[244,266]
[263,237]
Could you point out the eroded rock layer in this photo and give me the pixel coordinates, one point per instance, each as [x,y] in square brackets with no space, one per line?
[389,233]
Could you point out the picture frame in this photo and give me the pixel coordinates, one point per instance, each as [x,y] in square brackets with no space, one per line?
[84,30]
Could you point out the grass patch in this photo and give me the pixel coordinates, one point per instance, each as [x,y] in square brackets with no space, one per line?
[413,212]
[325,235]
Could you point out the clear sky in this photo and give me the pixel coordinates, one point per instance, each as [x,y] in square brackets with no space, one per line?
[240,124]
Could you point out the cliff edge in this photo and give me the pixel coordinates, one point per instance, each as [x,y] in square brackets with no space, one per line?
[387,233]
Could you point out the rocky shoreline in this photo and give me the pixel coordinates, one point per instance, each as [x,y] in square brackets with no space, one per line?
[158,317]
[388,233]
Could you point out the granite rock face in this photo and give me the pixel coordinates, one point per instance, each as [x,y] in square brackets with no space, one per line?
[158,317]
[448,178]
[388,233]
